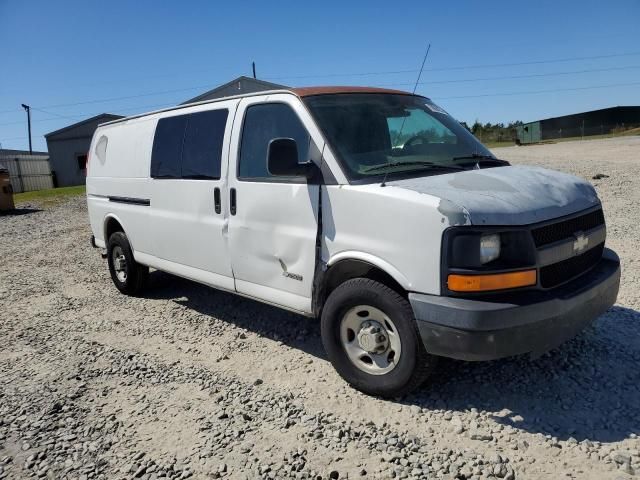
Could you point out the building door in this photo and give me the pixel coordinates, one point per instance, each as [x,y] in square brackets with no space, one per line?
[81,159]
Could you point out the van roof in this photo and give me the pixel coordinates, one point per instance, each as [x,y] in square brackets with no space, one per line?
[309,91]
[300,92]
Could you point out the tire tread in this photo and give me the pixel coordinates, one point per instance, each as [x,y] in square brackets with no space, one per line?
[424,364]
[138,276]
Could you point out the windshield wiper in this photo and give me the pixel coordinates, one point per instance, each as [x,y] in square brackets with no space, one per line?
[493,161]
[473,156]
[480,157]
[426,165]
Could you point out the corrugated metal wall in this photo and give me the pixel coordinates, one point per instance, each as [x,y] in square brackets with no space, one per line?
[596,122]
[28,172]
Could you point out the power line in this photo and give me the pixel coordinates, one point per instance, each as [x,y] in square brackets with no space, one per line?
[539,62]
[54,114]
[508,77]
[540,91]
[531,92]
[126,97]
[88,115]
[442,69]
[81,116]
[436,82]
[362,74]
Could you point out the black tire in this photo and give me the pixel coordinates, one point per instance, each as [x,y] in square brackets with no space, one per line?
[136,274]
[415,363]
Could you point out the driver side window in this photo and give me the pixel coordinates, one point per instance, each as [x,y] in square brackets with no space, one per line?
[262,123]
[418,128]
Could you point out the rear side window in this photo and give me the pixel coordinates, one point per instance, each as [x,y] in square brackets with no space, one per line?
[167,147]
[263,123]
[202,150]
[189,146]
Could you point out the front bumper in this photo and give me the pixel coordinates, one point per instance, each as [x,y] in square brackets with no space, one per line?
[523,322]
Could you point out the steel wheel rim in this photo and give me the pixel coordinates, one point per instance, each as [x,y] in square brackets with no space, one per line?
[119,263]
[370,355]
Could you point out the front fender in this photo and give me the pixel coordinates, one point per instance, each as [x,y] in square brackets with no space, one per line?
[375,261]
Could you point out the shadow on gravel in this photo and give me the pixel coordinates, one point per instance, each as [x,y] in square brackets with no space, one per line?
[588,388]
[270,322]
[18,211]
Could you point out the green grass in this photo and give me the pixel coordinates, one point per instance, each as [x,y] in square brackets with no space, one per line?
[626,133]
[50,196]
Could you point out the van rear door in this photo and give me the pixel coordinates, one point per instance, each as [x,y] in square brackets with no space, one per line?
[188,167]
[273,222]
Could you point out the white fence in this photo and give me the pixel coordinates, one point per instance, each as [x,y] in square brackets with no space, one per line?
[27,172]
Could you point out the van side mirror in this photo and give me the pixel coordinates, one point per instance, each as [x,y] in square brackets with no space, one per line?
[282,159]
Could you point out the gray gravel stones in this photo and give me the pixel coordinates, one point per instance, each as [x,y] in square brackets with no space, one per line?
[186,382]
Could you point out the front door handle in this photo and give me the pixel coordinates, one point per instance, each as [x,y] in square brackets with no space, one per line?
[232,201]
[216,199]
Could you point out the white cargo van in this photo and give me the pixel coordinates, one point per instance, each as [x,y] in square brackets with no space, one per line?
[371,209]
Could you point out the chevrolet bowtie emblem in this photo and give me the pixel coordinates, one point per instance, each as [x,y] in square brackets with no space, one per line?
[581,242]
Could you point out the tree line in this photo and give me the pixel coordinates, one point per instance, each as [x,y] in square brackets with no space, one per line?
[493,132]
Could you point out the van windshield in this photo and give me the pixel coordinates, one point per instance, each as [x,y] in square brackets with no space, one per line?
[382,134]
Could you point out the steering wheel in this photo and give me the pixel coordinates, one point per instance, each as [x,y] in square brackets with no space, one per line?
[409,143]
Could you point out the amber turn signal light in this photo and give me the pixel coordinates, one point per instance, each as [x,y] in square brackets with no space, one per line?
[493,281]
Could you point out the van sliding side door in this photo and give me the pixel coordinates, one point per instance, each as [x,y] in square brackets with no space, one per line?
[188,175]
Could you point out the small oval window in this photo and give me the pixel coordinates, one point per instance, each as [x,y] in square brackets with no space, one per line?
[101,149]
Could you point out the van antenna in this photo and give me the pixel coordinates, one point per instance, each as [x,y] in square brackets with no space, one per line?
[253,65]
[415,87]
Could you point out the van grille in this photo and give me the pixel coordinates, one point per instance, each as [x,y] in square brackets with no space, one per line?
[564,229]
[561,272]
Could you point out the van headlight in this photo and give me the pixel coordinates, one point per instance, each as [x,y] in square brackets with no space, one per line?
[489,247]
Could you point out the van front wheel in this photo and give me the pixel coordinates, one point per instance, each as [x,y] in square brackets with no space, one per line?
[128,276]
[370,336]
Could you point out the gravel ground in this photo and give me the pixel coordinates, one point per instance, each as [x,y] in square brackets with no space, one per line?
[189,382]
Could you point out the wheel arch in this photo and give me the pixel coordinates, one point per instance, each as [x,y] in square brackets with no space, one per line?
[347,265]
[112,224]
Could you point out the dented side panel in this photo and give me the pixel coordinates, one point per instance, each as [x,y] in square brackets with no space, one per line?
[272,242]
[272,234]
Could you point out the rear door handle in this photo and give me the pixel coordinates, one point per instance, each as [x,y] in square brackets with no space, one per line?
[232,201]
[216,199]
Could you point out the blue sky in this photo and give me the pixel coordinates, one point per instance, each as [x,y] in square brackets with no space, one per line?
[53,54]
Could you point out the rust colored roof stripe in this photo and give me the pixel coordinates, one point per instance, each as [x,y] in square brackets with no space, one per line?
[309,91]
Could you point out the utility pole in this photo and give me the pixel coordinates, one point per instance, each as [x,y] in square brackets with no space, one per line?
[28,110]
[253,65]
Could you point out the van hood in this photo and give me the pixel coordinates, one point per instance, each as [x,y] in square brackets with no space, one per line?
[513,195]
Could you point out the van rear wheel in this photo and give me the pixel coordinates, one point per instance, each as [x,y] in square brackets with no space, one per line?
[128,276]
[370,336]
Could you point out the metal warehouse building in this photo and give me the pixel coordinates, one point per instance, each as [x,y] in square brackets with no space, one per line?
[68,146]
[237,86]
[595,122]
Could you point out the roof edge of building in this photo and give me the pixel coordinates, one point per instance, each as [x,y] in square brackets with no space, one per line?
[581,113]
[270,85]
[112,116]
[12,151]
